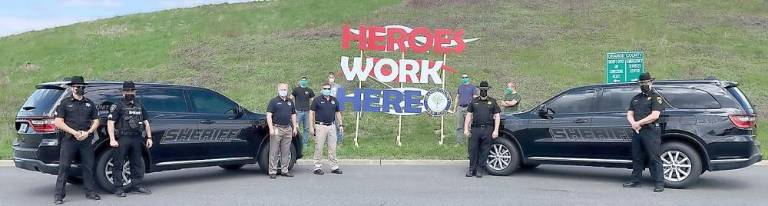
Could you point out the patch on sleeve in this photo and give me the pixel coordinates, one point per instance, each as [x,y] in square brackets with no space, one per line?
[658,99]
[112,108]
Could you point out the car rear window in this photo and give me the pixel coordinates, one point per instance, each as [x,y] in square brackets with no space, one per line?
[743,101]
[41,101]
[688,98]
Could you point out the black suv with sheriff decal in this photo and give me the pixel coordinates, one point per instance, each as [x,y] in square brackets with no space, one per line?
[191,127]
[708,126]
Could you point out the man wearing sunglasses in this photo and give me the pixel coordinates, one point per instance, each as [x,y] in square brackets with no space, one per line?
[77,118]
[644,111]
[325,112]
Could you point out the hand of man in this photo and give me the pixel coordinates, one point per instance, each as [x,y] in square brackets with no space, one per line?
[295,131]
[113,143]
[149,143]
[495,134]
[466,132]
[341,129]
[81,135]
[272,132]
[636,126]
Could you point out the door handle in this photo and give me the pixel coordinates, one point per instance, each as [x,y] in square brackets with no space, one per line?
[207,122]
[581,121]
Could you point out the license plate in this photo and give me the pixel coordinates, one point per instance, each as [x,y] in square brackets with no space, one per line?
[23,128]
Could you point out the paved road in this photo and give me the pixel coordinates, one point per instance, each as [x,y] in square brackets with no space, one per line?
[401,185]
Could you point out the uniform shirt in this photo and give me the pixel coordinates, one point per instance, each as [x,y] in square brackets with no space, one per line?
[281,110]
[509,97]
[466,93]
[77,114]
[483,111]
[325,109]
[128,116]
[643,104]
[301,96]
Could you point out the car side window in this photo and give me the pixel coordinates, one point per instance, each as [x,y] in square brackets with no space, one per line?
[211,103]
[688,98]
[163,100]
[616,99]
[579,101]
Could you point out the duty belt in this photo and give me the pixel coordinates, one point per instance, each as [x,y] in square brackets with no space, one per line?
[481,125]
[283,126]
[323,123]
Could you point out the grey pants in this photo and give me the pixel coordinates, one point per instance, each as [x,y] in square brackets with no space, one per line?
[461,114]
[280,144]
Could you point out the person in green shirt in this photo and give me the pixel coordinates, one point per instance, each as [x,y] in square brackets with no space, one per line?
[511,98]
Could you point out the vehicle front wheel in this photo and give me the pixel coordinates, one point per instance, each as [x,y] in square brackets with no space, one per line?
[503,157]
[681,164]
[104,167]
[264,158]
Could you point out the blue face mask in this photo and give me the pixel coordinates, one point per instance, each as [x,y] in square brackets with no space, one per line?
[465,80]
[303,83]
[326,92]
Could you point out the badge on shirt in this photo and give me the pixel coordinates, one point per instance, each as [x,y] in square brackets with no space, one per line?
[489,102]
[333,102]
[87,104]
[649,98]
[289,103]
[306,92]
[658,99]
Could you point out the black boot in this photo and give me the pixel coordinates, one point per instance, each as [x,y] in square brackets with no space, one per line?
[631,184]
[470,173]
[120,192]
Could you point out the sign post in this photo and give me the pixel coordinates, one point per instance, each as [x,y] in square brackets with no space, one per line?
[622,67]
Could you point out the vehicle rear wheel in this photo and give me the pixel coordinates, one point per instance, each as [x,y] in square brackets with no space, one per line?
[232,167]
[681,164]
[104,167]
[503,157]
[264,158]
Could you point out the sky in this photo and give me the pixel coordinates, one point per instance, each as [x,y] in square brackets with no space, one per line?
[19,16]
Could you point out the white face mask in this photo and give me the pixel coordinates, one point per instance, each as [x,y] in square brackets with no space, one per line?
[331,80]
[282,93]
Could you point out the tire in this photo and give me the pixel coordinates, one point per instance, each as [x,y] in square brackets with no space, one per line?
[264,158]
[232,167]
[679,158]
[75,180]
[104,171]
[503,157]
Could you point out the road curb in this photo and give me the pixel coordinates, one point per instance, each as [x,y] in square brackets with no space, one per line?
[9,163]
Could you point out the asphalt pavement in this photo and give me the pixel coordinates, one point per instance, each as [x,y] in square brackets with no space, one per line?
[400,185]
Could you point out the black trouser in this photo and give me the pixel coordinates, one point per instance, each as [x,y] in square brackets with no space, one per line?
[479,144]
[69,147]
[131,146]
[647,146]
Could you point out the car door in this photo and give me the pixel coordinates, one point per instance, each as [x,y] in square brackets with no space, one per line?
[225,134]
[172,125]
[613,134]
[561,135]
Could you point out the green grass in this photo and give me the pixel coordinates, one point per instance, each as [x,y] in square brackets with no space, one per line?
[242,50]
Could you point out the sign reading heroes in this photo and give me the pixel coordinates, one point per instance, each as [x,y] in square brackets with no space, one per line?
[400,101]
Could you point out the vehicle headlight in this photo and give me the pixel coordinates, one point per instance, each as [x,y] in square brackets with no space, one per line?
[49,142]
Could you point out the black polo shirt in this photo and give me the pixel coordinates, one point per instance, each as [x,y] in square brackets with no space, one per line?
[643,104]
[77,114]
[325,109]
[483,111]
[301,96]
[281,110]
[132,110]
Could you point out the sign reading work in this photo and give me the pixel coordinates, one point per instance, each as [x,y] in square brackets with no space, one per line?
[623,67]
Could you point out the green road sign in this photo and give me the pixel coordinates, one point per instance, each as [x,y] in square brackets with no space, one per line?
[623,67]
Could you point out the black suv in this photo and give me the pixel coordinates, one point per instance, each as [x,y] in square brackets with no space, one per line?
[191,127]
[708,125]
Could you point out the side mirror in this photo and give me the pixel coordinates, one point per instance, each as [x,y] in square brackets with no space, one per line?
[545,112]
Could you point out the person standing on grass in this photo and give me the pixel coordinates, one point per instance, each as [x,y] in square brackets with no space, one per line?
[335,86]
[302,95]
[325,112]
[511,98]
[466,92]
[281,120]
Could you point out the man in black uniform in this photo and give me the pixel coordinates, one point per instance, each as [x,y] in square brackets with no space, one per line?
[128,117]
[482,116]
[643,113]
[281,119]
[78,118]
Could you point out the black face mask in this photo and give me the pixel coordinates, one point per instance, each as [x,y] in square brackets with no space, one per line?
[483,93]
[645,88]
[130,97]
[80,91]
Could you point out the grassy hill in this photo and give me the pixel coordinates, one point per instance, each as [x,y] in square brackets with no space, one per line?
[244,49]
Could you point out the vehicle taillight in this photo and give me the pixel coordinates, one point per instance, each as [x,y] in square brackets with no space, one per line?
[42,125]
[743,121]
